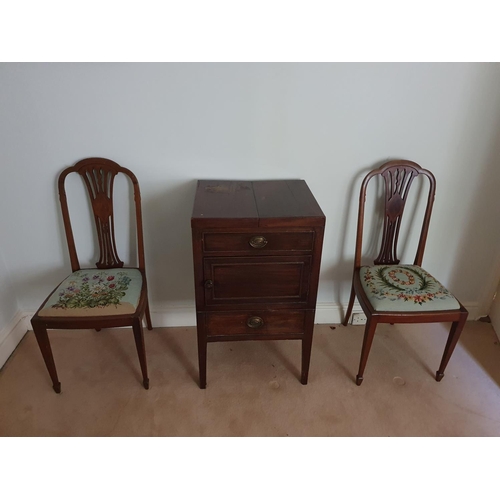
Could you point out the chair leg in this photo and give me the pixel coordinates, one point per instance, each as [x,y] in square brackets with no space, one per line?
[455,331]
[370,327]
[43,342]
[141,351]
[148,317]
[350,306]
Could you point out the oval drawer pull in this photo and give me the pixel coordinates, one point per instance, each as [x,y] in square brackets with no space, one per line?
[258,242]
[209,284]
[255,322]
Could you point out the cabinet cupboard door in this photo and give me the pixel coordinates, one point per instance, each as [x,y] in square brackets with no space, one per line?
[254,280]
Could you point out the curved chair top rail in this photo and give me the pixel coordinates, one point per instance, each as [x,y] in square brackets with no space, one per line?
[398,176]
[98,175]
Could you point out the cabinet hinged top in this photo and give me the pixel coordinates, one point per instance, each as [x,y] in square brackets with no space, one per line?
[279,203]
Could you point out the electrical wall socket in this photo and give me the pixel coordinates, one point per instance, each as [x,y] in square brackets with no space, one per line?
[358,319]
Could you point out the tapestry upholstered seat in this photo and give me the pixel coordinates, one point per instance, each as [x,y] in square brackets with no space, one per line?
[95,292]
[405,288]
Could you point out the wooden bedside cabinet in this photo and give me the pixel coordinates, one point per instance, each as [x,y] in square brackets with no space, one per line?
[257,252]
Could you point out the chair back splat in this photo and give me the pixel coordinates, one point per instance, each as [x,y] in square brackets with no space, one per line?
[98,175]
[398,177]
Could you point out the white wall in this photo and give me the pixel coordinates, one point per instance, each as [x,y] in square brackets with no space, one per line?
[175,123]
[8,301]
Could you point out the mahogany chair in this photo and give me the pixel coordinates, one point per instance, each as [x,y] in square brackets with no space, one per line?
[390,292]
[109,295]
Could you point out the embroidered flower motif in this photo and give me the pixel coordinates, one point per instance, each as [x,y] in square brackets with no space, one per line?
[394,276]
[95,293]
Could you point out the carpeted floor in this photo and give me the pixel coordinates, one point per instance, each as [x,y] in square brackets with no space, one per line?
[253,387]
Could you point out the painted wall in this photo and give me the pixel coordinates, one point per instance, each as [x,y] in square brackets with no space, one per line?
[175,123]
[8,300]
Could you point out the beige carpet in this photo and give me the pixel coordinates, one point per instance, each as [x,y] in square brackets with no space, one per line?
[253,387]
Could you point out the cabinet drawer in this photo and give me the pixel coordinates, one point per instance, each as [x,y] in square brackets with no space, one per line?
[258,242]
[254,322]
[249,280]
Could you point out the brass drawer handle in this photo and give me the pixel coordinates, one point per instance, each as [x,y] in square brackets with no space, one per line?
[209,284]
[258,242]
[255,322]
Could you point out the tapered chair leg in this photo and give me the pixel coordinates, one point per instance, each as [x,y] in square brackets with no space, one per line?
[141,351]
[370,327]
[43,342]
[455,331]
[148,317]
[350,306]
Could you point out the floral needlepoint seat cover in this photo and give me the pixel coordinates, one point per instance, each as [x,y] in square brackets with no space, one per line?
[95,292]
[405,288]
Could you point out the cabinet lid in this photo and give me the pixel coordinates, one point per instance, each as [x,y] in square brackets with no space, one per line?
[280,203]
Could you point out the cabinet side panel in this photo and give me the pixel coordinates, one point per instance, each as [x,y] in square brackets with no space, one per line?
[315,268]
[198,267]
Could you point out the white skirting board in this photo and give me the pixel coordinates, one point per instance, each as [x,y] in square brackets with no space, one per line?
[179,314]
[12,334]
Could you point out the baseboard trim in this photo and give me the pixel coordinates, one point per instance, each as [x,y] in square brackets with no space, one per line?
[329,312]
[12,334]
[474,311]
[180,315]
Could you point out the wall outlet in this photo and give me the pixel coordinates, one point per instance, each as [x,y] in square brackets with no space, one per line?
[358,319]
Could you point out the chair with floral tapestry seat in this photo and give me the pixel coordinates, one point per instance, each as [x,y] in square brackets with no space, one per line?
[109,295]
[390,292]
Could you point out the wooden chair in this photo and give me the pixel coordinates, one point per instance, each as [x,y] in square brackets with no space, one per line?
[390,292]
[104,297]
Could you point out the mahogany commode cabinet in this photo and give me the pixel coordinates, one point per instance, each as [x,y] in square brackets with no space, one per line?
[257,253]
